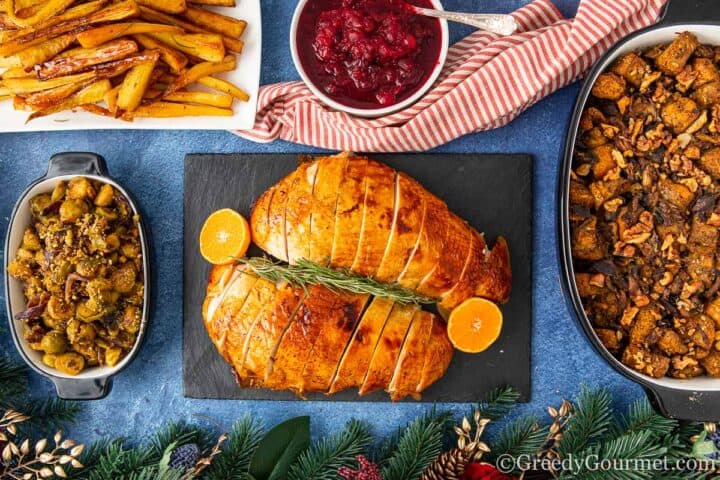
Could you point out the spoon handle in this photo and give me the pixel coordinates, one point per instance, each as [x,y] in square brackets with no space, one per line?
[495,23]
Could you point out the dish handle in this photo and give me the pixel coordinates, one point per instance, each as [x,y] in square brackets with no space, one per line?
[687,11]
[82,388]
[76,163]
[686,404]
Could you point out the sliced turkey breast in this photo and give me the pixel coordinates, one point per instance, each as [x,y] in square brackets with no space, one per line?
[279,337]
[423,247]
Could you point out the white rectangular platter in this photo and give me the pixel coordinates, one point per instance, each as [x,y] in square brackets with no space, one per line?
[245,76]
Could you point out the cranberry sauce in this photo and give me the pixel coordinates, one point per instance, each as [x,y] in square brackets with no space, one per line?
[367,53]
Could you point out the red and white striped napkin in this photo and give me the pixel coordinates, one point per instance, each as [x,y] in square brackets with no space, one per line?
[487,81]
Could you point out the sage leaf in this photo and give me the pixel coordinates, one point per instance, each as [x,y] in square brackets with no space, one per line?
[279,449]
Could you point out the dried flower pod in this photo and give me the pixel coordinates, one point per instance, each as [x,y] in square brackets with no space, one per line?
[40,446]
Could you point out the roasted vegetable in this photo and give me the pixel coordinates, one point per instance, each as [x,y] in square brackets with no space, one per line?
[169,6]
[57,56]
[82,58]
[135,84]
[215,22]
[84,296]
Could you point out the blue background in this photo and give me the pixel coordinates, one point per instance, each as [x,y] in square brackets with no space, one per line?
[150,163]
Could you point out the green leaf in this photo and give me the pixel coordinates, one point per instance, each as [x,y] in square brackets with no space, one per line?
[164,463]
[703,447]
[279,449]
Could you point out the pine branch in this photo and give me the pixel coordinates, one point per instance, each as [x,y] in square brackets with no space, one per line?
[90,458]
[234,461]
[524,436]
[322,460]
[305,273]
[13,380]
[498,402]
[634,447]
[48,415]
[417,447]
[118,463]
[641,416]
[592,419]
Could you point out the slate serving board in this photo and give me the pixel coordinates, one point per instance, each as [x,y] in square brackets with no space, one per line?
[492,192]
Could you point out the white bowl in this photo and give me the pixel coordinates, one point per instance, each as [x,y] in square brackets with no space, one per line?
[369,112]
[92,382]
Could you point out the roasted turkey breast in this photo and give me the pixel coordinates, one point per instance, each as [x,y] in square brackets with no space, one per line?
[353,212]
[284,338]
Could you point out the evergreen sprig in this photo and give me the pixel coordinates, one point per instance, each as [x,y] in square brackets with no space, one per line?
[498,403]
[48,415]
[119,462]
[592,419]
[322,460]
[641,416]
[234,460]
[417,447]
[634,448]
[524,436]
[13,381]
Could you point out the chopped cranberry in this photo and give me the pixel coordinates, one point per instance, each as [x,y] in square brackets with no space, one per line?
[367,53]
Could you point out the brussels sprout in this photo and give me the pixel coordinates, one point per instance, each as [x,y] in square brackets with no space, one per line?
[112,242]
[54,342]
[49,359]
[124,278]
[79,188]
[131,319]
[19,270]
[106,213]
[39,203]
[58,192]
[70,363]
[130,250]
[105,196]
[87,267]
[31,241]
[113,355]
[72,210]
[59,309]
[25,255]
[89,311]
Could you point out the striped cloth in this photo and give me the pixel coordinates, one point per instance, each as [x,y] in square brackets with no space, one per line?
[487,81]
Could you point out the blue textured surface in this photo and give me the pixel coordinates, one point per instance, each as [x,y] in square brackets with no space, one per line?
[149,391]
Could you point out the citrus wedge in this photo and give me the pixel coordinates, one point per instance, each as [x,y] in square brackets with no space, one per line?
[474,325]
[224,237]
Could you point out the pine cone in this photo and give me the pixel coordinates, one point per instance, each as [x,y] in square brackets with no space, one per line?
[184,457]
[448,466]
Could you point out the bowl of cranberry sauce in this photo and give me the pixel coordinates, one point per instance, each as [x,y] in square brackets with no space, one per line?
[368,57]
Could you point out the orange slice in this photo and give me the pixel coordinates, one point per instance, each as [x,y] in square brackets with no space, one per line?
[224,237]
[474,325]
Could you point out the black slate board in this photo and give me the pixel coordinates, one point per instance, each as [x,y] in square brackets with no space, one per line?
[492,192]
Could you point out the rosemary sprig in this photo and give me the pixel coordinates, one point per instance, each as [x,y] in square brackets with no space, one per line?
[305,273]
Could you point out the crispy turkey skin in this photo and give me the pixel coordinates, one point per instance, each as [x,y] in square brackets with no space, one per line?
[283,338]
[353,212]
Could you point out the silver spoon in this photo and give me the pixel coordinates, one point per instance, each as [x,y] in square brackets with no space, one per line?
[494,23]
